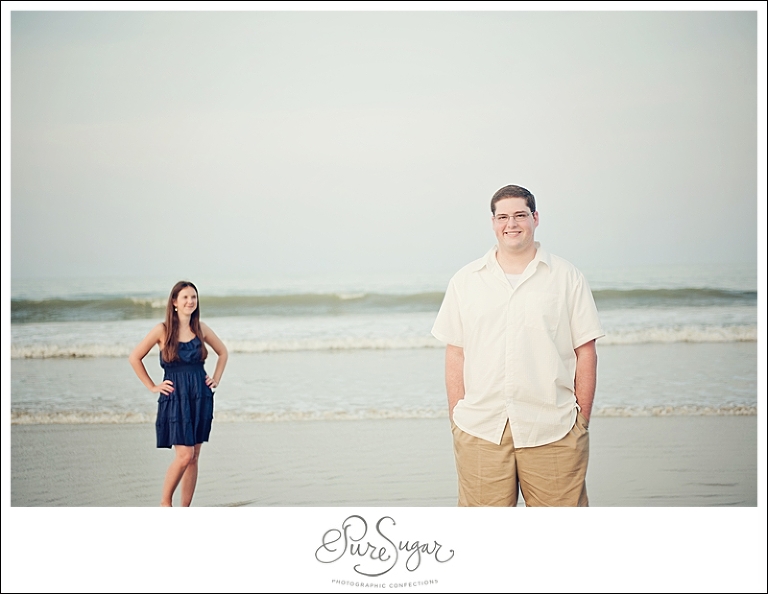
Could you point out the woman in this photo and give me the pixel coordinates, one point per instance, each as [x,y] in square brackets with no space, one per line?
[185,406]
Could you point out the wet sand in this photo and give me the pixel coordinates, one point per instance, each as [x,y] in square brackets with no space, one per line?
[634,462]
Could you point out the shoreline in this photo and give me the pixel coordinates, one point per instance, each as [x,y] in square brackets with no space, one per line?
[76,417]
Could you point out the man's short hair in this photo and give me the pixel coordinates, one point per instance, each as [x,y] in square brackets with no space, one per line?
[513,192]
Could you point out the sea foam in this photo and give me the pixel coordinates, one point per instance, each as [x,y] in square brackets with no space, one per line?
[106,417]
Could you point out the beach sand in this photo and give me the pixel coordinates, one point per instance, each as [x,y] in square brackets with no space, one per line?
[634,462]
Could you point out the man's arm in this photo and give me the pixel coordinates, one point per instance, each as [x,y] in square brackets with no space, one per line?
[454,376]
[586,377]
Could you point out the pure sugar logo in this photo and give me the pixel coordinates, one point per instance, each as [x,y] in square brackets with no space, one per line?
[373,552]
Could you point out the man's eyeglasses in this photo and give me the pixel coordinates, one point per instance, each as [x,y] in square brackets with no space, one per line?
[519,217]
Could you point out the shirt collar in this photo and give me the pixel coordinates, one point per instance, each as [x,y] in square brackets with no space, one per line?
[489,260]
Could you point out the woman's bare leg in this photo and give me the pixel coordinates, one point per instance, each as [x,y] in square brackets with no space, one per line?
[189,479]
[184,454]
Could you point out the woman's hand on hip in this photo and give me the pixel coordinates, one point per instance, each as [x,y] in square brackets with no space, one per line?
[166,387]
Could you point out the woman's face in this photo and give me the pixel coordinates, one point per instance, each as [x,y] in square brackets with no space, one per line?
[186,301]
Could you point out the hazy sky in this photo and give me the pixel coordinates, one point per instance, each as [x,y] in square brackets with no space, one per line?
[355,142]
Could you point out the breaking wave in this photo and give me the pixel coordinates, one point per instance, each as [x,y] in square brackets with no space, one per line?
[693,334]
[141,307]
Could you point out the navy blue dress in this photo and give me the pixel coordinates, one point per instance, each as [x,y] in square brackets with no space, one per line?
[184,416]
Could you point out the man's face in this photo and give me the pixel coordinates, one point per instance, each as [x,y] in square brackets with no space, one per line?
[516,233]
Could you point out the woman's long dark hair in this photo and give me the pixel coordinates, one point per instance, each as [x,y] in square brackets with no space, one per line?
[171,346]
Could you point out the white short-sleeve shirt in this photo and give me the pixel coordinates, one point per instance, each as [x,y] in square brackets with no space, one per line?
[519,346]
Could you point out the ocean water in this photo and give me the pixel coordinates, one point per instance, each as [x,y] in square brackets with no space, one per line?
[679,340]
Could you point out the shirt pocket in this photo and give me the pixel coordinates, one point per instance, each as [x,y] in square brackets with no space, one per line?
[542,312]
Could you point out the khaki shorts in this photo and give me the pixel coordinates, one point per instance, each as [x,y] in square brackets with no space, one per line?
[553,474]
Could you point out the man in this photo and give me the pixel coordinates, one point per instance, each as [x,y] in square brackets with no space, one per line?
[520,366]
